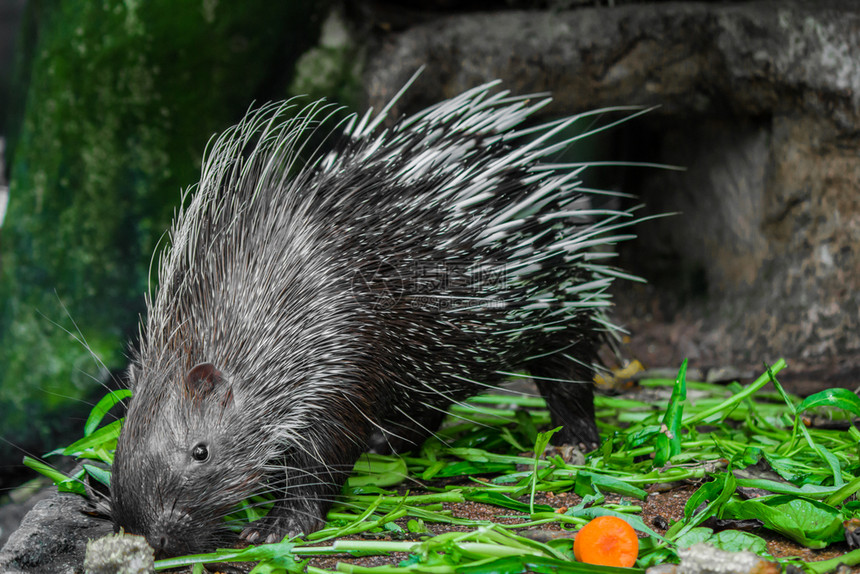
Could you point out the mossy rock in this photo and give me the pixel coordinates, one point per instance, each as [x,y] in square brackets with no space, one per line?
[119,100]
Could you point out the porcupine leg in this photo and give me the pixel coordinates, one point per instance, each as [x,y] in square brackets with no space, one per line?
[569,397]
[307,487]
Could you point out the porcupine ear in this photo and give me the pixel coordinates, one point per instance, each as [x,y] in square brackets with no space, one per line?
[204,380]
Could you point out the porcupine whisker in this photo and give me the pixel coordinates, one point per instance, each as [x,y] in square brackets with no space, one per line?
[488,386]
[285,494]
[305,497]
[537,378]
[416,422]
[533,358]
[79,338]
[375,424]
[296,511]
[582,363]
[445,396]
[101,503]
[305,471]
[463,418]
[292,474]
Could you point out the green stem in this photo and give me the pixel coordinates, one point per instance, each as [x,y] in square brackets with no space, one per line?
[735,399]
[850,559]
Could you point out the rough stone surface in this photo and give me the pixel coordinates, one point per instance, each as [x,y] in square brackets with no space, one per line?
[760,101]
[704,559]
[21,501]
[119,554]
[688,58]
[53,538]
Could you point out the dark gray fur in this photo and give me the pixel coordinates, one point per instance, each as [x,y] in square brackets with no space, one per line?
[305,314]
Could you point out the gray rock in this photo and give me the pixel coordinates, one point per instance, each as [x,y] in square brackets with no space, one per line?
[21,500]
[704,559]
[53,537]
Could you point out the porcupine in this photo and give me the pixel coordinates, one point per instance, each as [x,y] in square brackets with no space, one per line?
[313,304]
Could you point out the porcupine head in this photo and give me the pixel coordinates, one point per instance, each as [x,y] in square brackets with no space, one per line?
[198,442]
[171,479]
[261,369]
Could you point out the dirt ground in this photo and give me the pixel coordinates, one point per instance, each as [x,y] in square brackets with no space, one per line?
[660,509]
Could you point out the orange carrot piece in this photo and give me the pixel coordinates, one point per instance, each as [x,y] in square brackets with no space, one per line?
[607,541]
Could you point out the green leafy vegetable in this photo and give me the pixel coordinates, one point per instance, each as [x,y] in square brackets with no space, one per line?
[753,439]
[808,522]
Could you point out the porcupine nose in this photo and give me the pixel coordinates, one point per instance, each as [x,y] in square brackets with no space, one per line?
[161,544]
[168,540]
[165,546]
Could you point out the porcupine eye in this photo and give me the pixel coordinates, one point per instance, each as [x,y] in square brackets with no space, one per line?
[200,453]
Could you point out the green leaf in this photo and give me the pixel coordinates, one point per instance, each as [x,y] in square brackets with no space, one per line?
[102,407]
[844,492]
[468,468]
[46,470]
[839,398]
[734,400]
[417,526]
[807,490]
[588,501]
[832,462]
[505,501]
[541,443]
[99,474]
[669,439]
[785,467]
[377,470]
[655,557]
[64,482]
[368,490]
[748,457]
[710,491]
[822,566]
[737,541]
[825,454]
[640,437]
[106,434]
[808,522]
[694,536]
[718,492]
[583,486]
[588,482]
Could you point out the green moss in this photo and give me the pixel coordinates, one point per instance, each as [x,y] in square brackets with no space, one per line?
[122,97]
[332,69]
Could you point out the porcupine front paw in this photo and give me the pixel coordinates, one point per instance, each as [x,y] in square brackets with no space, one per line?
[275,526]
